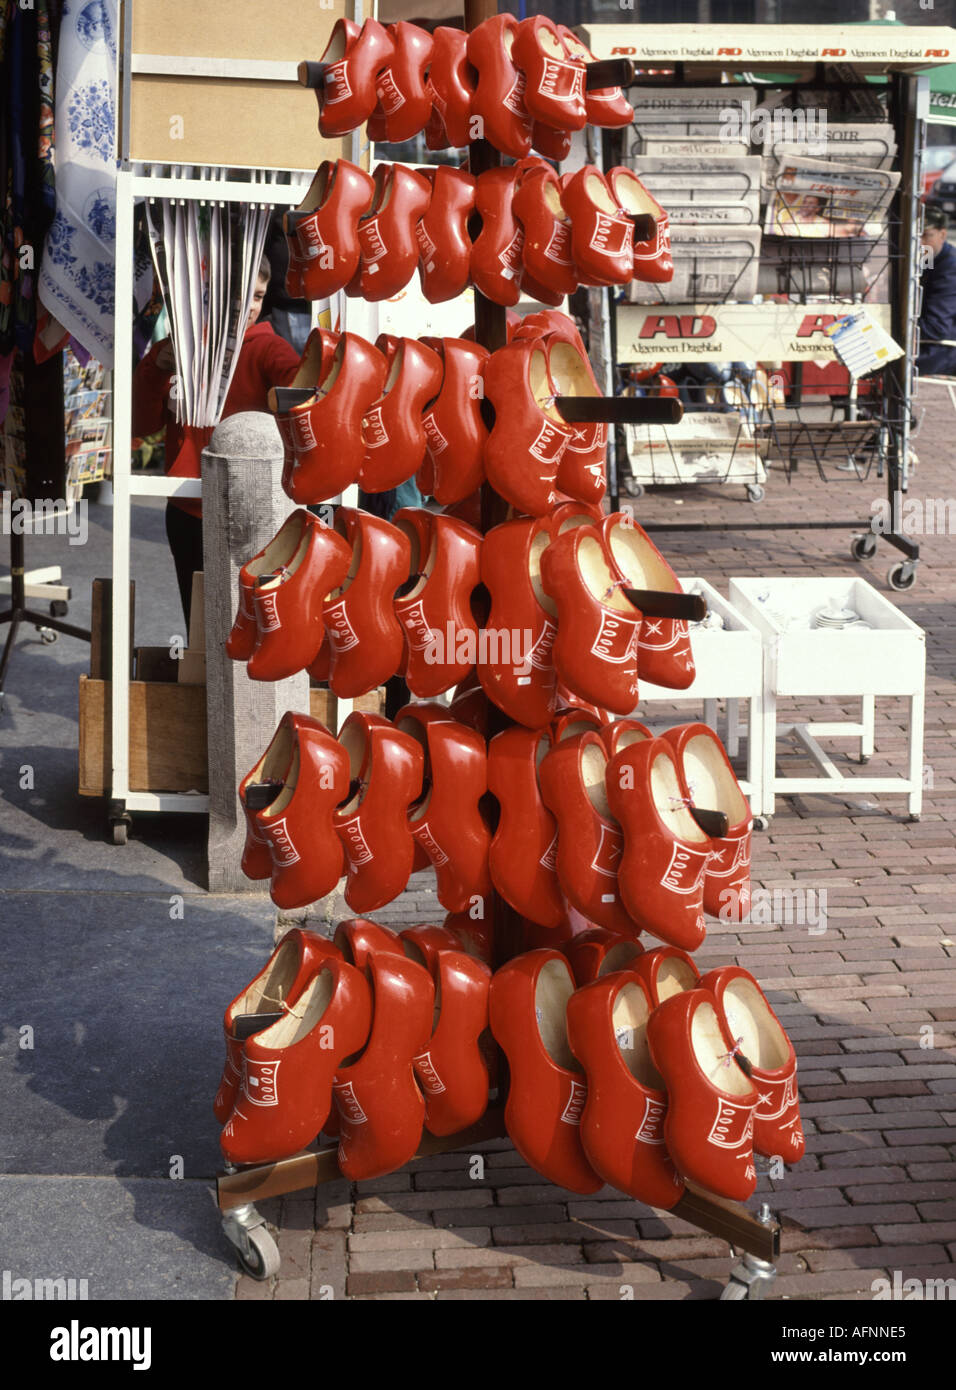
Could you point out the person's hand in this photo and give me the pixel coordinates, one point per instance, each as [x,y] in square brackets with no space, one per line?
[165,357]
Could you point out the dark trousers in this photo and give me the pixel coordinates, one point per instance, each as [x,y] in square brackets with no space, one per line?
[184,533]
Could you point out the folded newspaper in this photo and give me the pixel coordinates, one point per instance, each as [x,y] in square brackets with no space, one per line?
[817,198]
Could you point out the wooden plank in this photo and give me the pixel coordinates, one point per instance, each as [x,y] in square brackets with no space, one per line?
[191,669]
[167,737]
[155,664]
[101,627]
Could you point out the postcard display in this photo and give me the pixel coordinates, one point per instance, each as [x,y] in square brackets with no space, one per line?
[792,206]
[539,954]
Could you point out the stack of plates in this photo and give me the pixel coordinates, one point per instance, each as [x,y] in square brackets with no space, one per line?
[836,618]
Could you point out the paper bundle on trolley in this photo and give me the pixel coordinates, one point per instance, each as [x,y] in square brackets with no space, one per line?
[713,262]
[702,447]
[817,198]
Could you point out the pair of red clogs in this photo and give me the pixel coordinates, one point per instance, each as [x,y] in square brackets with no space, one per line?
[375,804]
[533,456]
[562,580]
[427,423]
[386,1026]
[362,600]
[638,1077]
[512,84]
[606,821]
[378,415]
[319,598]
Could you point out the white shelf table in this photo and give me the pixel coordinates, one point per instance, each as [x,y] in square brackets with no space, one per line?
[888,658]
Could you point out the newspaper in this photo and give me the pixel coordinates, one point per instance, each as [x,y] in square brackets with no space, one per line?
[816,198]
[712,263]
[865,144]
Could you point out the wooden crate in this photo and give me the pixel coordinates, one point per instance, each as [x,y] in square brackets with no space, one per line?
[324,706]
[167,737]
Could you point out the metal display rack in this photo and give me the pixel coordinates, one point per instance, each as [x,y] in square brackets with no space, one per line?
[756,1237]
[845,62]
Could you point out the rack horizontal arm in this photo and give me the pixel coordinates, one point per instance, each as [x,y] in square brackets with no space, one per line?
[659,603]
[729,1221]
[620,410]
[311,74]
[303,1170]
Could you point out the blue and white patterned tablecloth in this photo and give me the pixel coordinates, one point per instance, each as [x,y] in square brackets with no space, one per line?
[77,276]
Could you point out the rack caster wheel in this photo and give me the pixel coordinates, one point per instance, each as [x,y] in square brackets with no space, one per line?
[59,608]
[750,1279]
[119,830]
[902,576]
[755,492]
[762,822]
[634,489]
[247,1232]
[47,634]
[863,547]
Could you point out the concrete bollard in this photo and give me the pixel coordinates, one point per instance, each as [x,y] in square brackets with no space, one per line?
[243,508]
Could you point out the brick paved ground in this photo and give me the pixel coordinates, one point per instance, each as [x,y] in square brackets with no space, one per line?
[869,1004]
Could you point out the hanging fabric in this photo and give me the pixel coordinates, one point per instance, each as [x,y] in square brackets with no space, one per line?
[77,277]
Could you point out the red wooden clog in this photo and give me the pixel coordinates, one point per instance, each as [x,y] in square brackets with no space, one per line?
[598,952]
[365,637]
[446,821]
[529,437]
[455,433]
[496,255]
[386,234]
[451,86]
[516,670]
[602,236]
[297,824]
[359,940]
[595,650]
[664,654]
[304,561]
[296,959]
[666,853]
[392,431]
[498,101]
[355,55]
[708,1128]
[452,1071]
[523,855]
[622,1128]
[652,254]
[287,1069]
[387,768]
[381,1110]
[607,106]
[623,732]
[767,1057]
[554,84]
[444,245]
[271,769]
[711,784]
[441,631]
[528,1012]
[403,106]
[665,971]
[322,232]
[546,250]
[327,432]
[590,840]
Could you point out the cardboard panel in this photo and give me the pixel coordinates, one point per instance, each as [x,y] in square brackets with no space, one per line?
[245,124]
[287,30]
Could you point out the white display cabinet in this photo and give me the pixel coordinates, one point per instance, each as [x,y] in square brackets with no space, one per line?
[883,655]
[728,663]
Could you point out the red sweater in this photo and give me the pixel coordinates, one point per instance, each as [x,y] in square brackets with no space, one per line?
[265,360]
